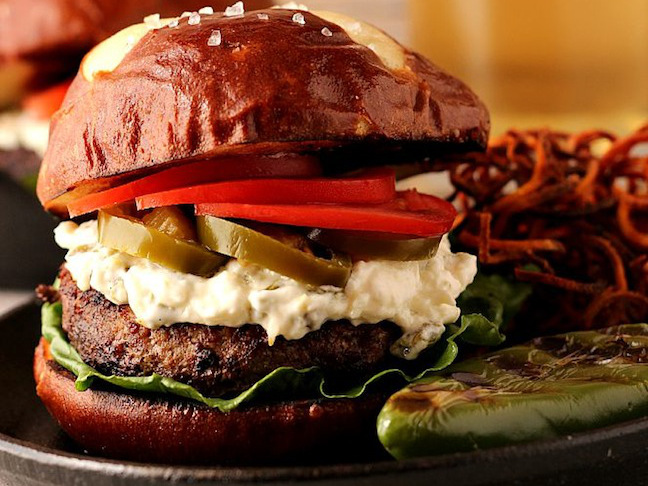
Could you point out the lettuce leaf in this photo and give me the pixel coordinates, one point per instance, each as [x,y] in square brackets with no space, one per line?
[309,382]
[487,305]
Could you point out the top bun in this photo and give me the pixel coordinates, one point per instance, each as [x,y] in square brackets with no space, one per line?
[264,82]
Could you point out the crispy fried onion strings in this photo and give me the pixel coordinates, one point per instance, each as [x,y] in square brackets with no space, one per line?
[568,212]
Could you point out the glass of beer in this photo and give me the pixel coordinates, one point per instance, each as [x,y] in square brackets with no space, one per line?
[567,64]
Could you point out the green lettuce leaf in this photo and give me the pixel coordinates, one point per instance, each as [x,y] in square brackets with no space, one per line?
[487,305]
[309,382]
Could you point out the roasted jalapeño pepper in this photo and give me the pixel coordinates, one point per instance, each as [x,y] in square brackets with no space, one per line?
[550,387]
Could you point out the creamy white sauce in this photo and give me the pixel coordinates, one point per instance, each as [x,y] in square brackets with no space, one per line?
[108,54]
[19,130]
[419,296]
[390,52]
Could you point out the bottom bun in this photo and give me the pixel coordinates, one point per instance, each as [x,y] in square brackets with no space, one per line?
[146,427]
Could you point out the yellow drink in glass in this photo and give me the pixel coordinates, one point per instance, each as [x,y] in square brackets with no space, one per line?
[568,64]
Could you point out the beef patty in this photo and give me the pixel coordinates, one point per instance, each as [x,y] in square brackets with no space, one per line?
[213,359]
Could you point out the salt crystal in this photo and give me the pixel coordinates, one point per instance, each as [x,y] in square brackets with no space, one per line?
[153,21]
[298,18]
[194,18]
[215,38]
[263,16]
[327,32]
[206,11]
[174,23]
[235,10]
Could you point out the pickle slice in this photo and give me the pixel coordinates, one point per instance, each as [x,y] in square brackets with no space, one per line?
[252,246]
[376,246]
[129,235]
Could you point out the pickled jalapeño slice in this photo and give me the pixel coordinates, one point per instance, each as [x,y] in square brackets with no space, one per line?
[249,245]
[130,235]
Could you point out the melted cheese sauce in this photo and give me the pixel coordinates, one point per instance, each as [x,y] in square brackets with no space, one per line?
[107,55]
[390,52]
[418,296]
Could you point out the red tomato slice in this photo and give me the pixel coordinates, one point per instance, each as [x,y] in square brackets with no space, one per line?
[289,165]
[410,213]
[43,104]
[373,186]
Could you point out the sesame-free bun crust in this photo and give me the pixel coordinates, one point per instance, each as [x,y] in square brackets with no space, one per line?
[271,86]
[141,427]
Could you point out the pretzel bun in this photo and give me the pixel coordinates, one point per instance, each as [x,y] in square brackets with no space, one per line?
[285,80]
[148,428]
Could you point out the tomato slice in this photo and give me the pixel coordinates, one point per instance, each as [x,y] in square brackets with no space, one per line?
[43,104]
[372,186]
[251,167]
[410,213]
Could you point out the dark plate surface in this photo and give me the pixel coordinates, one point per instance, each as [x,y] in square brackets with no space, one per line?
[33,451]
[28,254]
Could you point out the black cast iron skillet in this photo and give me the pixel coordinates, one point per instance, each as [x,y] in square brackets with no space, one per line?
[33,450]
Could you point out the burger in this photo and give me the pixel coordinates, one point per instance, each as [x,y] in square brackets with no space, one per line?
[41,45]
[243,282]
